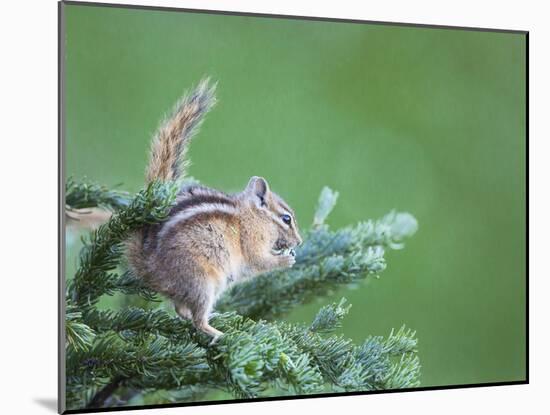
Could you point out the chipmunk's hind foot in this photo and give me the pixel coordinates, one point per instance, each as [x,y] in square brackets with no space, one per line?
[208,329]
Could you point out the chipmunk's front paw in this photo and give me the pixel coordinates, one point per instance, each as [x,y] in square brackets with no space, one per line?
[283,257]
[287,261]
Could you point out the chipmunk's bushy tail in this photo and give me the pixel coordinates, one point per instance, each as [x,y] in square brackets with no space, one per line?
[169,148]
[168,159]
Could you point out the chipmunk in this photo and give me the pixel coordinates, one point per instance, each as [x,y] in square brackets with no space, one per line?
[210,239]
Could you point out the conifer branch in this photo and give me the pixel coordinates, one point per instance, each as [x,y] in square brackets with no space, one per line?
[115,356]
[103,249]
[87,194]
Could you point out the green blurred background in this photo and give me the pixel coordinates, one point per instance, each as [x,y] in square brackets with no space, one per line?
[429,121]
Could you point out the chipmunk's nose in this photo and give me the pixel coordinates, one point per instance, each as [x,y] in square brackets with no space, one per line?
[298,241]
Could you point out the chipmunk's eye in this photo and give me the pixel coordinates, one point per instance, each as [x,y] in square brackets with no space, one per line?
[286,219]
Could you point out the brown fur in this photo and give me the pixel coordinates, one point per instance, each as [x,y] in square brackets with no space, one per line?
[210,239]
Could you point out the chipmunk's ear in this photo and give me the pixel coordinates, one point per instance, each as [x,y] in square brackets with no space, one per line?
[257,189]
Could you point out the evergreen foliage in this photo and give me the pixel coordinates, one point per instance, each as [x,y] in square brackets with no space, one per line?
[146,354]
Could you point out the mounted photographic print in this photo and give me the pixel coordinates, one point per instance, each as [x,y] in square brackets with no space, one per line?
[256,207]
